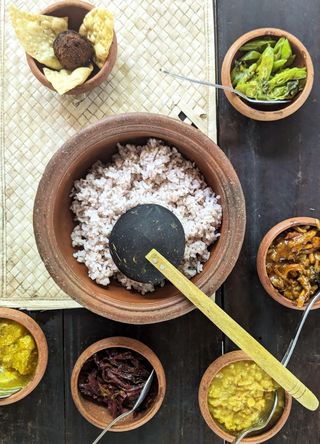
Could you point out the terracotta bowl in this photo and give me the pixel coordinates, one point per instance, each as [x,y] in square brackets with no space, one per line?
[41,342]
[75,11]
[206,380]
[269,112]
[53,220]
[262,255]
[99,415]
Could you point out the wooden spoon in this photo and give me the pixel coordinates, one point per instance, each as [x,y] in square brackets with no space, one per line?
[235,332]
[132,241]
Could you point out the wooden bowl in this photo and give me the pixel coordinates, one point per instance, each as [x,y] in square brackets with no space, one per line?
[267,112]
[75,11]
[41,342]
[262,255]
[98,415]
[53,220]
[206,380]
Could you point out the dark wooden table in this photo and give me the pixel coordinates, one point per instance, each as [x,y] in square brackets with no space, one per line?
[278,165]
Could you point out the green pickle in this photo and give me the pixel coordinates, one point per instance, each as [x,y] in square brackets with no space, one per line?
[281,78]
[266,63]
[251,56]
[258,45]
[263,72]
[237,73]
[240,74]
[286,50]
[278,48]
[278,64]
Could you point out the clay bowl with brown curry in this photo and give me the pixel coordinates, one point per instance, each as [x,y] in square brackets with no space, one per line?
[288,262]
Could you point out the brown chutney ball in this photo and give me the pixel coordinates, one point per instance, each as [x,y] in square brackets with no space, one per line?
[72,50]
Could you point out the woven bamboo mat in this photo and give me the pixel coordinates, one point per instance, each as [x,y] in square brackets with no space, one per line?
[176,34]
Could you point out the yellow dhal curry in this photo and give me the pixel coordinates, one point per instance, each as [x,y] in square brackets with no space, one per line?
[18,355]
[240,394]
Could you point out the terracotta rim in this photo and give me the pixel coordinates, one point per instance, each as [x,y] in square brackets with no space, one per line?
[40,340]
[147,125]
[243,107]
[119,342]
[262,255]
[94,81]
[209,374]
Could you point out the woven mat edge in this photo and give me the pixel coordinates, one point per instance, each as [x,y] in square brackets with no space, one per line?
[211,131]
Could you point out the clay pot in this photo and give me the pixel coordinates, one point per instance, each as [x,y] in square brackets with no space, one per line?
[53,220]
[206,380]
[267,112]
[41,342]
[262,255]
[98,415]
[75,11]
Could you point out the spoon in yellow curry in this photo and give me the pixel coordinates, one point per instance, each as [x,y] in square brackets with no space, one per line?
[264,421]
[9,392]
[6,392]
[147,243]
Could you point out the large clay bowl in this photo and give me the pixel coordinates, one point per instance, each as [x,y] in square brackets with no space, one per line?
[267,113]
[53,220]
[75,11]
[41,342]
[262,255]
[98,415]
[205,383]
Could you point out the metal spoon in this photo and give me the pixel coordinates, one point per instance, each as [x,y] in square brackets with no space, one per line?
[9,392]
[261,424]
[139,401]
[5,393]
[226,88]
[285,360]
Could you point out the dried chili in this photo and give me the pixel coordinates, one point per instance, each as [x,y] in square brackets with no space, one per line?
[115,377]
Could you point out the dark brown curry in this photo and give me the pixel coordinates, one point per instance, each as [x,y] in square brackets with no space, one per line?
[293,263]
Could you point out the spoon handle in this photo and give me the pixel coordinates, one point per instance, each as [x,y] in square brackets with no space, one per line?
[235,332]
[5,393]
[112,423]
[138,402]
[226,88]
[284,362]
[293,342]
[205,82]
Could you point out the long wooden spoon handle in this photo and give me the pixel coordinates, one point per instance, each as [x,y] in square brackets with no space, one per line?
[236,333]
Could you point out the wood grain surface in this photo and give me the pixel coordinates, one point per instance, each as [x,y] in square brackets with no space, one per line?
[278,165]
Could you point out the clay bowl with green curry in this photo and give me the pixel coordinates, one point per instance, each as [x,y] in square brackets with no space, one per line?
[23,355]
[268,64]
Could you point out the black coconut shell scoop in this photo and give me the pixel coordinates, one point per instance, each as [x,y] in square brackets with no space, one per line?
[138,231]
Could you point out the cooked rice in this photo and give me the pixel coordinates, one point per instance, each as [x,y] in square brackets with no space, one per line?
[153,173]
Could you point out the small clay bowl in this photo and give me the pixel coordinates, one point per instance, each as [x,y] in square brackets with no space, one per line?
[206,380]
[54,221]
[41,342]
[98,415]
[262,255]
[267,112]
[75,11]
